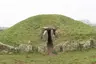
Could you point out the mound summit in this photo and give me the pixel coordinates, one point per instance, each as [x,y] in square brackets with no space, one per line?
[30,30]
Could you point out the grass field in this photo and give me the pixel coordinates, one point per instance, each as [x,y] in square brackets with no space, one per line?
[75,57]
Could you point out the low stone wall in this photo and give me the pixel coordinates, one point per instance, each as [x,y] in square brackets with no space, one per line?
[73,45]
[62,47]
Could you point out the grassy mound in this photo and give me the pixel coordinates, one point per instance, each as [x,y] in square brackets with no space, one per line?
[30,29]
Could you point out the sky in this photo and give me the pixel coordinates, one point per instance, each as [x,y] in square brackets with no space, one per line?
[14,11]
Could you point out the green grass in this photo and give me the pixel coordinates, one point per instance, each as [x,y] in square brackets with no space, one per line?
[30,29]
[76,57]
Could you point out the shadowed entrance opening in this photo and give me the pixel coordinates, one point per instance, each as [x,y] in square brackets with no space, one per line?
[50,32]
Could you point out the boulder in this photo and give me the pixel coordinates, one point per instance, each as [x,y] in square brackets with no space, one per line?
[42,48]
[25,48]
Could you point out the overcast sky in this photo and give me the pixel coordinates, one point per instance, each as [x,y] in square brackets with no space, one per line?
[13,11]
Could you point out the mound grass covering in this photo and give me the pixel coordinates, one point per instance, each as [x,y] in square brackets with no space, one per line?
[30,30]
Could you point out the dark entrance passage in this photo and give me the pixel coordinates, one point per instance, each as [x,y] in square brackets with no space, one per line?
[50,32]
